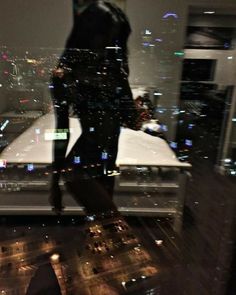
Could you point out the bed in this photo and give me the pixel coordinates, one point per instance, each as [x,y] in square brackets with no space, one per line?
[151,181]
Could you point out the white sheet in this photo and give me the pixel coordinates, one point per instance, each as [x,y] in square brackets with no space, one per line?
[135,147]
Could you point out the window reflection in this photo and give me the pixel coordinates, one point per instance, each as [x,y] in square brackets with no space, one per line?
[172,183]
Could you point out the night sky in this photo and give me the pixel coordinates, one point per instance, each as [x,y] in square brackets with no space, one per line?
[35,23]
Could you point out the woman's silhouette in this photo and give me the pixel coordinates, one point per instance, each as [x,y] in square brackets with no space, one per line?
[92,79]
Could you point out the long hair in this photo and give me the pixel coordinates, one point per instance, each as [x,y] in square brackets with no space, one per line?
[99,16]
[122,20]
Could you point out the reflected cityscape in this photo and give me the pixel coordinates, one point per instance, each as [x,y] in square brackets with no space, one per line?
[103,257]
[161,217]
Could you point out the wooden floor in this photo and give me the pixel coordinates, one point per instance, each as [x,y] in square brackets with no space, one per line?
[199,260]
[208,235]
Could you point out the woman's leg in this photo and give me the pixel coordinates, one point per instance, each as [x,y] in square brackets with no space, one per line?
[94,194]
[97,149]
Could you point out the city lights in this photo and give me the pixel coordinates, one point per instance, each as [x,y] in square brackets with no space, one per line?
[170,14]
[157,93]
[179,53]
[173,144]
[159,242]
[119,158]
[3,163]
[51,134]
[30,167]
[188,142]
[77,160]
[4,125]
[55,257]
[37,131]
[104,155]
[209,12]
[147,32]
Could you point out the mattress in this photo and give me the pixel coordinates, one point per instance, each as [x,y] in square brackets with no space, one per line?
[135,147]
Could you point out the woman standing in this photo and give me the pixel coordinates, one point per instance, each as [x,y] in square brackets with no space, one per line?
[92,79]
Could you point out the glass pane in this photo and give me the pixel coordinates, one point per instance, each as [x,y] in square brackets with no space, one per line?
[117,147]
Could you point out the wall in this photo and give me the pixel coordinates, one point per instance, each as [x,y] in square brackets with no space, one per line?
[221,21]
[225,73]
[158,66]
[26,23]
[30,23]
[212,3]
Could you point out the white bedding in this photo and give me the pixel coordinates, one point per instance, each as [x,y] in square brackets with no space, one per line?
[135,147]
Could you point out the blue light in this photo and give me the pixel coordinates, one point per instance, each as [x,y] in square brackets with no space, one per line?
[37,130]
[91,129]
[77,160]
[190,126]
[188,142]
[164,128]
[90,217]
[170,14]
[30,167]
[173,144]
[104,156]
[161,110]
[3,163]
[183,157]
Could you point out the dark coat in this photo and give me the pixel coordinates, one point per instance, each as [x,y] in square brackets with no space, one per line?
[100,25]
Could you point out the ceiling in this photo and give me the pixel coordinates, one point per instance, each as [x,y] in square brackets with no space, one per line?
[193,10]
[221,7]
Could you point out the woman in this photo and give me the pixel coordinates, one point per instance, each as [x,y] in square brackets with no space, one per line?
[92,78]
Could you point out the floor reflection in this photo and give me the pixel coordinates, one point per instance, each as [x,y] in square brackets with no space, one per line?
[70,256]
[135,255]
